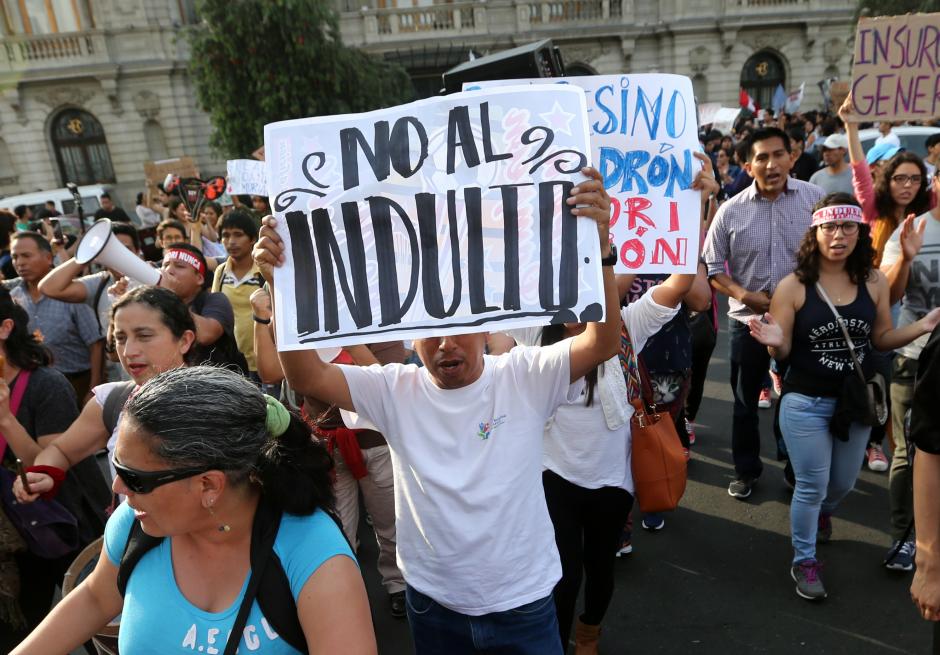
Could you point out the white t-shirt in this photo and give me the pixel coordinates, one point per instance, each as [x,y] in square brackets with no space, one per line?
[101,393]
[922,293]
[580,444]
[473,529]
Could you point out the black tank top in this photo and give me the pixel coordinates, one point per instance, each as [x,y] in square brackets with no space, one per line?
[819,356]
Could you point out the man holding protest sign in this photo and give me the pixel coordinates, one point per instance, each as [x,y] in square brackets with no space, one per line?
[475,542]
[756,235]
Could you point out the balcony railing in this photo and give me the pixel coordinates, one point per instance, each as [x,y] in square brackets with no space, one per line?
[457,17]
[52,50]
[573,11]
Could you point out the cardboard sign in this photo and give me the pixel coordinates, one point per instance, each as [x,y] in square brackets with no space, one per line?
[838,92]
[245,176]
[443,216]
[896,70]
[156,171]
[643,134]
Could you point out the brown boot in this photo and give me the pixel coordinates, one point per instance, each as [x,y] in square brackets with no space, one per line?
[586,638]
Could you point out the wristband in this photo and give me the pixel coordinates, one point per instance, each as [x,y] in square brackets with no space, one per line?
[54,472]
[263,321]
[610,259]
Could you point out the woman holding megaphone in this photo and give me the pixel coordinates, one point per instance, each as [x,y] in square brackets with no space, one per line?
[153,331]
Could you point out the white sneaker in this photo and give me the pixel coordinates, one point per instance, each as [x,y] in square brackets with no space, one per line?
[764,402]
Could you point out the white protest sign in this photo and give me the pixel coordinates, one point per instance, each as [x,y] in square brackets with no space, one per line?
[724,119]
[643,134]
[443,216]
[245,176]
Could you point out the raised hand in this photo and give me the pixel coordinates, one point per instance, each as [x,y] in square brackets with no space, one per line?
[911,238]
[705,178]
[269,249]
[767,332]
[594,204]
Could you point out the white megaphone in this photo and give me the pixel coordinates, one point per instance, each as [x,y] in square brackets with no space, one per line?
[101,246]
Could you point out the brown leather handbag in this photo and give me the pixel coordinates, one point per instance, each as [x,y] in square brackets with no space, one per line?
[658,463]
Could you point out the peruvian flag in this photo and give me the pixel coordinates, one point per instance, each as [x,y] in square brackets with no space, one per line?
[746,101]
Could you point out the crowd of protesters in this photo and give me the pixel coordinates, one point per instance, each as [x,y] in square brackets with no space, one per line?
[222,451]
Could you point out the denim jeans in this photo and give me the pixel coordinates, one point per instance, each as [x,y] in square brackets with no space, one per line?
[826,468]
[530,629]
[749,364]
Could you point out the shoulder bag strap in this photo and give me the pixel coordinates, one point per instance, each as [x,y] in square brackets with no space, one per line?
[98,293]
[856,364]
[16,398]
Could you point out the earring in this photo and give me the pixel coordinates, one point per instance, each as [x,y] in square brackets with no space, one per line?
[223,527]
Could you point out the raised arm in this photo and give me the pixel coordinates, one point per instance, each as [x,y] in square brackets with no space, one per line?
[883,335]
[269,366]
[599,341]
[898,255]
[60,283]
[307,374]
[861,173]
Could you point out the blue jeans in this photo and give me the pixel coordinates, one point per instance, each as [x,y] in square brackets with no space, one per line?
[749,364]
[530,629]
[826,468]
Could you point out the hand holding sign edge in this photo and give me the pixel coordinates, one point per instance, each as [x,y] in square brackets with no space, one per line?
[590,200]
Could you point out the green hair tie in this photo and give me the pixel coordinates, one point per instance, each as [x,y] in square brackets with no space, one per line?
[278,418]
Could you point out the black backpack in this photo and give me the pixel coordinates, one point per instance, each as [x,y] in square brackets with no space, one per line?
[274,594]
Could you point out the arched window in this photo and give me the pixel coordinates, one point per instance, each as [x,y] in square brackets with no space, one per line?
[156,142]
[761,75]
[81,149]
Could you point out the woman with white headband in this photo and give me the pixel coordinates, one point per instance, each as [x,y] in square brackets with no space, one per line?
[825,445]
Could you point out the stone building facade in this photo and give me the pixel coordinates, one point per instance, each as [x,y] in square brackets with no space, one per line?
[90,89]
[721,44]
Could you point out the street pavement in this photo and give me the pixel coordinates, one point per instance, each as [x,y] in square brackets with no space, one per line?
[716,578]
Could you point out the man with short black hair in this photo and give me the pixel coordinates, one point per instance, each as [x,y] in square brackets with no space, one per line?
[69,330]
[804,165]
[24,215]
[756,234]
[184,273]
[109,210]
[238,277]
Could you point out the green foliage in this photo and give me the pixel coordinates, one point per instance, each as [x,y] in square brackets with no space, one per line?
[897,7]
[259,61]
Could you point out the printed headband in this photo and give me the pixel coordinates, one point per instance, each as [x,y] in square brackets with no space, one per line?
[837,213]
[186,257]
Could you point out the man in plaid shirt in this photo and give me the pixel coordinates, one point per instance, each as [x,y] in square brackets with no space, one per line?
[750,247]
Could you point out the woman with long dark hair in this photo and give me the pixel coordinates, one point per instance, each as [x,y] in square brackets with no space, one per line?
[152,331]
[37,403]
[825,446]
[220,479]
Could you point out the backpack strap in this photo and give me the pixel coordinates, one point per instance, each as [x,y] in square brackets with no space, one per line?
[114,404]
[139,543]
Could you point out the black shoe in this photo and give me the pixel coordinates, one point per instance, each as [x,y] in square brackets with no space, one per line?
[741,487]
[397,603]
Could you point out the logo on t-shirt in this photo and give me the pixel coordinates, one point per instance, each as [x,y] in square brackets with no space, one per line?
[487,427]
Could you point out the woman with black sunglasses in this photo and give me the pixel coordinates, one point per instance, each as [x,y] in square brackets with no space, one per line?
[152,331]
[202,456]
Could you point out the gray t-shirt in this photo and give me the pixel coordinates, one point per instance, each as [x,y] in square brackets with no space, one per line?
[833,183]
[923,284]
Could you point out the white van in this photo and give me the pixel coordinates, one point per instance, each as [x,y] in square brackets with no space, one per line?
[63,200]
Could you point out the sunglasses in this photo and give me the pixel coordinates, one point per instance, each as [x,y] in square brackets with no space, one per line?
[144,482]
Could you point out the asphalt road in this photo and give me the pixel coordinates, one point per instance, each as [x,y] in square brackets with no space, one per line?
[716,578]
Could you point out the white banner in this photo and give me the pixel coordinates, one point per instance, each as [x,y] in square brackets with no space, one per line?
[643,134]
[443,216]
[245,176]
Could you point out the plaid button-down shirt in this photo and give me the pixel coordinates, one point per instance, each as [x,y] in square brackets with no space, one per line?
[758,238]
[68,329]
